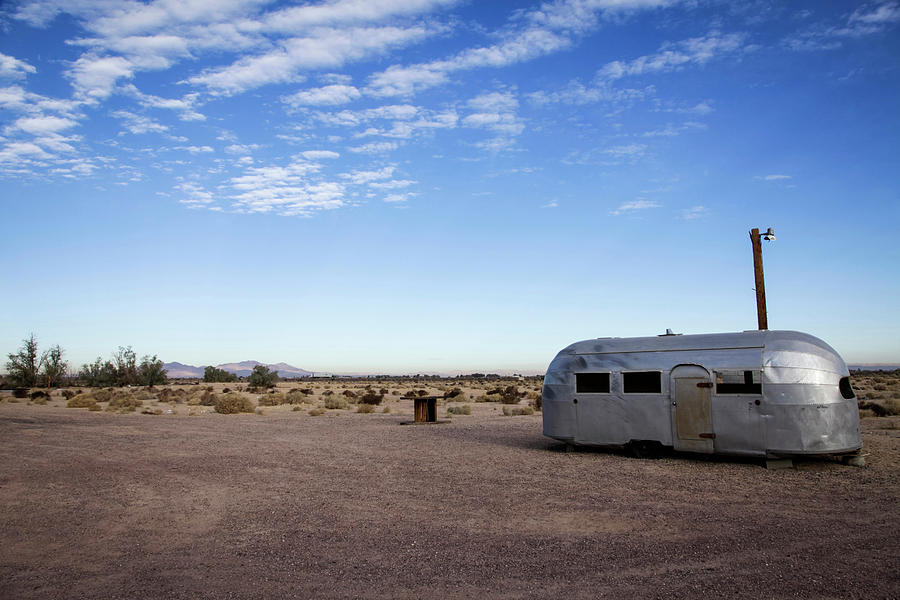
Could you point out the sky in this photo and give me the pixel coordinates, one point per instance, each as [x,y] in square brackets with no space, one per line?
[444,186]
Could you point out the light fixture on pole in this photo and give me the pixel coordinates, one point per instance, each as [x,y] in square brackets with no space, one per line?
[761,316]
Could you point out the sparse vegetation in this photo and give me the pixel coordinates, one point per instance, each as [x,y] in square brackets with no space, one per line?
[262,377]
[316,412]
[365,408]
[216,375]
[465,409]
[335,403]
[371,398]
[82,401]
[515,411]
[233,403]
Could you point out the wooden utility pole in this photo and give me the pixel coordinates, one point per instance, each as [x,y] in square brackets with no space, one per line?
[760,282]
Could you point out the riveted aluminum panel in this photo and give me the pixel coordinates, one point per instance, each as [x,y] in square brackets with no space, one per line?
[798,371]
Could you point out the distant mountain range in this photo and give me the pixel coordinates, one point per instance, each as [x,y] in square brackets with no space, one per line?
[241,369]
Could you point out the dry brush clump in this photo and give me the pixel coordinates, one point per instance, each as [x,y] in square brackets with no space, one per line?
[516,411]
[371,398]
[365,408]
[123,402]
[83,400]
[335,402]
[465,409]
[316,412]
[271,399]
[234,403]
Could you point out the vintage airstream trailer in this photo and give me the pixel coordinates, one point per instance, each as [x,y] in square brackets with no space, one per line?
[758,393]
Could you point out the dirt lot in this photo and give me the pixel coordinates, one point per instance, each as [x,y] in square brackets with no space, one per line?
[286,505]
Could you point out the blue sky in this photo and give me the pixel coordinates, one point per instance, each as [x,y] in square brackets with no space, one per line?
[439,185]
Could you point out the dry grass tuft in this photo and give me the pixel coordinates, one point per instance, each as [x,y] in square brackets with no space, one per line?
[233,403]
[335,403]
[365,408]
[515,411]
[83,400]
[316,412]
[272,399]
[465,409]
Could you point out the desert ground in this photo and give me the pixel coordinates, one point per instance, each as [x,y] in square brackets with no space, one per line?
[170,499]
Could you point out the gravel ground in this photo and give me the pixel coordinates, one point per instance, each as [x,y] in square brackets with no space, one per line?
[98,505]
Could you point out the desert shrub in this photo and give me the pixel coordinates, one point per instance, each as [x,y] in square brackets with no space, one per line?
[226,390]
[422,393]
[515,411]
[316,412]
[272,399]
[82,401]
[151,411]
[296,409]
[124,401]
[202,399]
[295,397]
[20,392]
[38,394]
[386,410]
[365,408]
[328,393]
[40,400]
[891,407]
[510,395]
[68,394]
[233,403]
[383,391]
[335,403]
[103,395]
[410,394]
[94,407]
[537,403]
[465,409]
[455,393]
[349,393]
[371,398]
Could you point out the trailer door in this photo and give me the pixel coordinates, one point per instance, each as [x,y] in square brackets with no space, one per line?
[692,427]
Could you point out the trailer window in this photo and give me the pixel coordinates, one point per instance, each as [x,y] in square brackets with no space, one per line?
[846,388]
[642,382]
[592,383]
[738,382]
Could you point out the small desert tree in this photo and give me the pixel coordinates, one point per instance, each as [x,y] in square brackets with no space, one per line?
[55,367]
[214,374]
[98,373]
[23,366]
[151,372]
[261,377]
[126,366]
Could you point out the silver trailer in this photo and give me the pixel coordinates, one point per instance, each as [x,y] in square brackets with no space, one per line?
[757,393]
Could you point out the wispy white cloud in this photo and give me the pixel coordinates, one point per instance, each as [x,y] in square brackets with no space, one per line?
[375,147]
[138,124]
[694,212]
[41,125]
[362,177]
[322,48]
[319,154]
[636,205]
[184,106]
[551,27]
[14,68]
[868,19]
[327,95]
[696,51]
[774,177]
[496,112]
